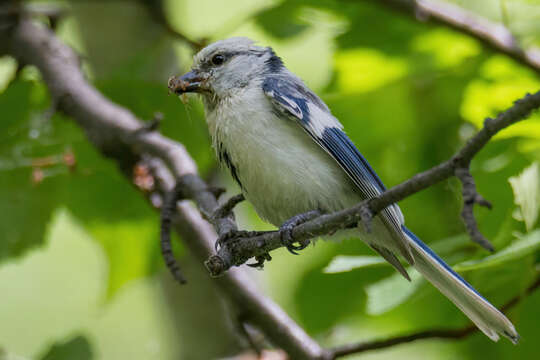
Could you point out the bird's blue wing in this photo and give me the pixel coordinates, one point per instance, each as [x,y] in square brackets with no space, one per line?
[292,98]
[301,105]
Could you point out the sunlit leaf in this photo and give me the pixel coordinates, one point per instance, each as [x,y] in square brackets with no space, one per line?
[131,247]
[58,290]
[52,289]
[524,246]
[447,47]
[501,82]
[8,66]
[526,187]
[343,263]
[208,19]
[362,70]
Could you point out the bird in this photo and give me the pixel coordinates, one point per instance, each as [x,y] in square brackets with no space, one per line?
[293,160]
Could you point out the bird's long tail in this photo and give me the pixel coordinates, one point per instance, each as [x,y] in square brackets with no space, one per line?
[485,316]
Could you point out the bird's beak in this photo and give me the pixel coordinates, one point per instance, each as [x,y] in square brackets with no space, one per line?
[189,82]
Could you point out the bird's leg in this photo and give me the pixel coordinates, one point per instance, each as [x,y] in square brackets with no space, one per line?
[233,234]
[286,230]
[226,210]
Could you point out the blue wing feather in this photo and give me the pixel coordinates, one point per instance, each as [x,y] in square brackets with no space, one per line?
[291,97]
[289,101]
[342,148]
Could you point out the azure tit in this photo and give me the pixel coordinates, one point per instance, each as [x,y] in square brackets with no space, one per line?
[291,156]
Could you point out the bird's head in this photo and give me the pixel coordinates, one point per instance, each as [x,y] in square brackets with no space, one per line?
[225,67]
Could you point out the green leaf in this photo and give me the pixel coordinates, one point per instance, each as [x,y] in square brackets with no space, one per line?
[501,81]
[448,48]
[8,67]
[527,245]
[342,263]
[526,187]
[389,293]
[26,205]
[392,291]
[94,190]
[77,348]
[131,248]
[450,244]
[363,70]
[281,21]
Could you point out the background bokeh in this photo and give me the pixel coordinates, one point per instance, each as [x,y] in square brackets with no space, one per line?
[81,275]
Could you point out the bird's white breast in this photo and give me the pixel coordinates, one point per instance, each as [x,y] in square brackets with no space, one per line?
[282,171]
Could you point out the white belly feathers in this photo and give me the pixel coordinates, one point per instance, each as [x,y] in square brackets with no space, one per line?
[283,172]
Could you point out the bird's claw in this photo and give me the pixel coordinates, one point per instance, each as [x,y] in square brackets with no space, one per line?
[260,261]
[288,241]
[286,229]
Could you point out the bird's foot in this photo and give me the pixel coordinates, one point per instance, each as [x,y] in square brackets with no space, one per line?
[260,261]
[286,229]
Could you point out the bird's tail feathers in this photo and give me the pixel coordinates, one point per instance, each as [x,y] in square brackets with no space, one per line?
[392,259]
[484,315]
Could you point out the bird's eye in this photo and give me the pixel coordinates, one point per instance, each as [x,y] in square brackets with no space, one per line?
[218,59]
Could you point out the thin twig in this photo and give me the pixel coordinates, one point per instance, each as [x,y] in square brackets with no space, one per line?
[167,211]
[494,35]
[455,334]
[351,349]
[471,197]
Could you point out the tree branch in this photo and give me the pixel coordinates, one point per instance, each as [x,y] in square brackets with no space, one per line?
[113,130]
[238,251]
[471,197]
[494,35]
[454,334]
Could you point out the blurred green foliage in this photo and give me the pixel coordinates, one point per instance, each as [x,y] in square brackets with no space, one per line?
[79,251]
[77,348]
